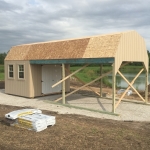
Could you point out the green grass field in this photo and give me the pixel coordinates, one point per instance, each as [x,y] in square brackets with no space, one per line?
[1,72]
[89,73]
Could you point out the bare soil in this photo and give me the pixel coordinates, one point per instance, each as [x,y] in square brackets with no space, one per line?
[75,132]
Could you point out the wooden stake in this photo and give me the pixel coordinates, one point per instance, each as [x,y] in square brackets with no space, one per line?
[63,84]
[101,67]
[63,79]
[128,88]
[84,85]
[113,88]
[131,85]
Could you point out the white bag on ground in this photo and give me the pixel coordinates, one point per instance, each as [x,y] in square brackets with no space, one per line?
[32,123]
[22,112]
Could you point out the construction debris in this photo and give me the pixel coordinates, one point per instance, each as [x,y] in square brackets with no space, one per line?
[31,119]
[129,92]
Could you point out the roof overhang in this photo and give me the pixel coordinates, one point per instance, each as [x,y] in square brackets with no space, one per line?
[74,61]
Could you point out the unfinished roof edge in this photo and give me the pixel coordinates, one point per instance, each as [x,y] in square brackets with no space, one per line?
[71,39]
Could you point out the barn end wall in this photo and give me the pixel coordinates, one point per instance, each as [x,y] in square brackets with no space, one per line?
[16,86]
[131,48]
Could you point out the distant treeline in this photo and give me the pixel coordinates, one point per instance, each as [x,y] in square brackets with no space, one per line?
[3,55]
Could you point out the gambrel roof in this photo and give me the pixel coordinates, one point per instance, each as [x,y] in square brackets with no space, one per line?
[122,46]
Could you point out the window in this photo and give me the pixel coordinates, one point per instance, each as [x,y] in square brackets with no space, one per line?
[21,71]
[11,71]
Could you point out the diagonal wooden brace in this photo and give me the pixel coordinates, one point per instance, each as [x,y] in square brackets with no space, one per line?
[128,88]
[69,75]
[84,85]
[87,83]
[131,85]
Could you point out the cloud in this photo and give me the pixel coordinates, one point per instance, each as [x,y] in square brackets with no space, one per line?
[28,21]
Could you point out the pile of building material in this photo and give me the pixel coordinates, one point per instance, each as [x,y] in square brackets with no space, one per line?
[31,119]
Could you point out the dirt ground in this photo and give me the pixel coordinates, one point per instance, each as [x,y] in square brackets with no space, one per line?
[76,132]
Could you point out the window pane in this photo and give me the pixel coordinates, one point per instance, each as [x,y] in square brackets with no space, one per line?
[21,68]
[11,74]
[21,74]
[10,67]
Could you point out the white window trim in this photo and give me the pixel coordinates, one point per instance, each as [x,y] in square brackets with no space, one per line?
[23,71]
[9,71]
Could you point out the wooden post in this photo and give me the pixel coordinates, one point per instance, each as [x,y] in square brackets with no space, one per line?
[63,84]
[113,88]
[84,86]
[146,86]
[101,67]
[87,84]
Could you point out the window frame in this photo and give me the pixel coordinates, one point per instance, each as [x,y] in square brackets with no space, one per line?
[21,71]
[11,71]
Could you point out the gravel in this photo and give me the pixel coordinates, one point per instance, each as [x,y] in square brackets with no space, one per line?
[127,111]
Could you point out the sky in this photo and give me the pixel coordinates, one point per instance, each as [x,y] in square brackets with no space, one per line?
[29,21]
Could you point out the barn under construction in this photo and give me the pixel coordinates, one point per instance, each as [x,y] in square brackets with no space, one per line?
[38,69]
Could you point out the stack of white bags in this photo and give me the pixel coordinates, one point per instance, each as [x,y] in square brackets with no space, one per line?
[31,119]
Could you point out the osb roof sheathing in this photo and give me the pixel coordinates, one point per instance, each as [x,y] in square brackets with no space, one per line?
[101,46]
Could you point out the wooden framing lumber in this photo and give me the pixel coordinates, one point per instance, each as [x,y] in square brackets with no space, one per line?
[113,89]
[89,83]
[84,85]
[128,88]
[130,85]
[146,86]
[63,84]
[101,67]
[63,79]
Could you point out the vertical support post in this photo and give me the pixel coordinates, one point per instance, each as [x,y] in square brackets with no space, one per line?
[113,88]
[146,86]
[63,84]
[101,67]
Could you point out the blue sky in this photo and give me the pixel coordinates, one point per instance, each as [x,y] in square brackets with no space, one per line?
[28,21]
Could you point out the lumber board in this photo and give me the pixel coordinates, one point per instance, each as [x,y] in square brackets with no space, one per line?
[63,84]
[131,85]
[84,86]
[69,75]
[132,82]
[84,83]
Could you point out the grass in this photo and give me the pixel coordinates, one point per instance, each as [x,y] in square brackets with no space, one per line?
[1,72]
[89,73]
